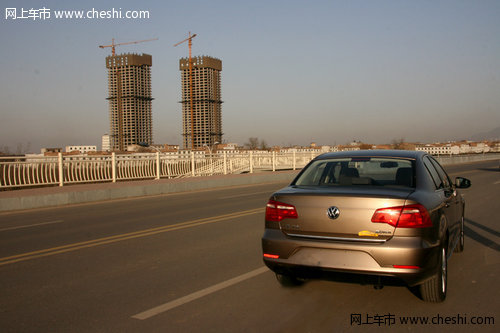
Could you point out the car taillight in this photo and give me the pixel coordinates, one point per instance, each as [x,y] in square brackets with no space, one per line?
[410,216]
[277,211]
[271,256]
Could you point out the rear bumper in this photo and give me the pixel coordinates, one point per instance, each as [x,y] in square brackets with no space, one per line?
[304,257]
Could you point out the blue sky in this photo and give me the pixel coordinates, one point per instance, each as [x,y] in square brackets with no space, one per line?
[293,71]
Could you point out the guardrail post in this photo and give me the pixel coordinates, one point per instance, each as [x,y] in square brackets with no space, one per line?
[225,162]
[61,170]
[113,167]
[251,161]
[158,165]
[192,164]
[274,161]
[211,165]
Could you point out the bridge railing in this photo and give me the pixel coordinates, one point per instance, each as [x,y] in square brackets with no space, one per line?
[20,172]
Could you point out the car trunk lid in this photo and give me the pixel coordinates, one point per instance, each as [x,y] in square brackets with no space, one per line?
[342,214]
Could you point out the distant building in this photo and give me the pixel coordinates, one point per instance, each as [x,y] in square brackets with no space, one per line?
[81,149]
[495,147]
[384,147]
[167,147]
[479,147]
[350,147]
[439,149]
[311,149]
[51,150]
[227,146]
[130,101]
[106,143]
[203,126]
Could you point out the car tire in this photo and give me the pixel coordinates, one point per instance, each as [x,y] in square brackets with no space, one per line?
[288,280]
[434,289]
[461,241]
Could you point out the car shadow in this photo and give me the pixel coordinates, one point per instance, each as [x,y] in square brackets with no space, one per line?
[480,238]
[362,279]
[494,169]
[378,282]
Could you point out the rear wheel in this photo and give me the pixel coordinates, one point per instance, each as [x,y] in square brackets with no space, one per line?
[288,280]
[434,290]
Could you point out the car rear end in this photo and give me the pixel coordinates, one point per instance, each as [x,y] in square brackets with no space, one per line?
[354,214]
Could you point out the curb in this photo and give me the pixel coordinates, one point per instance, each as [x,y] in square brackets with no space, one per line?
[77,194]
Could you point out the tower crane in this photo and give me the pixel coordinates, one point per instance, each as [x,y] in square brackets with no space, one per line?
[190,44]
[113,45]
[121,145]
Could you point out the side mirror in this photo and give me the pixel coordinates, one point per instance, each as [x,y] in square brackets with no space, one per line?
[461,182]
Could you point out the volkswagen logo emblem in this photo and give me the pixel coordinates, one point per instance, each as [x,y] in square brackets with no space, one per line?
[333,212]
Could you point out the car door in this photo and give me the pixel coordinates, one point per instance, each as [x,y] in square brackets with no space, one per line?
[451,201]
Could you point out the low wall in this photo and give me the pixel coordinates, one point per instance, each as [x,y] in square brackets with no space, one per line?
[461,159]
[59,196]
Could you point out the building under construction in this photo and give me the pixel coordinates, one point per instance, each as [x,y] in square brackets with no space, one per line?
[130,101]
[201,102]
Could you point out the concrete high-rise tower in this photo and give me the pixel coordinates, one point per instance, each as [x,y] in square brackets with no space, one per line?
[130,101]
[202,126]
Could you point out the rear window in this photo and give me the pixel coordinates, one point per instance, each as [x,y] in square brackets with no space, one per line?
[358,171]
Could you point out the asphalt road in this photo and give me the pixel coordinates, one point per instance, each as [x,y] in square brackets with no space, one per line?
[192,263]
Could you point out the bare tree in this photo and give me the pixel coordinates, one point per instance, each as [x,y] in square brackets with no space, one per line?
[5,150]
[253,143]
[398,144]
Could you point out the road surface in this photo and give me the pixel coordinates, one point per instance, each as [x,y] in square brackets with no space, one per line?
[192,262]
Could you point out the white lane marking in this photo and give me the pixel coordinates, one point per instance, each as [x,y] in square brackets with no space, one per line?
[31,225]
[199,294]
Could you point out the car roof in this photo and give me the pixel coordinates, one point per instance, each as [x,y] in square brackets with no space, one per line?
[411,154]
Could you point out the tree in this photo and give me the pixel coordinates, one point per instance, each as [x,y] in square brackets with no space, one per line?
[253,143]
[23,148]
[398,144]
[5,150]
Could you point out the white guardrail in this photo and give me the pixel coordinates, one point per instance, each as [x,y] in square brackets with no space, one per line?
[19,172]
